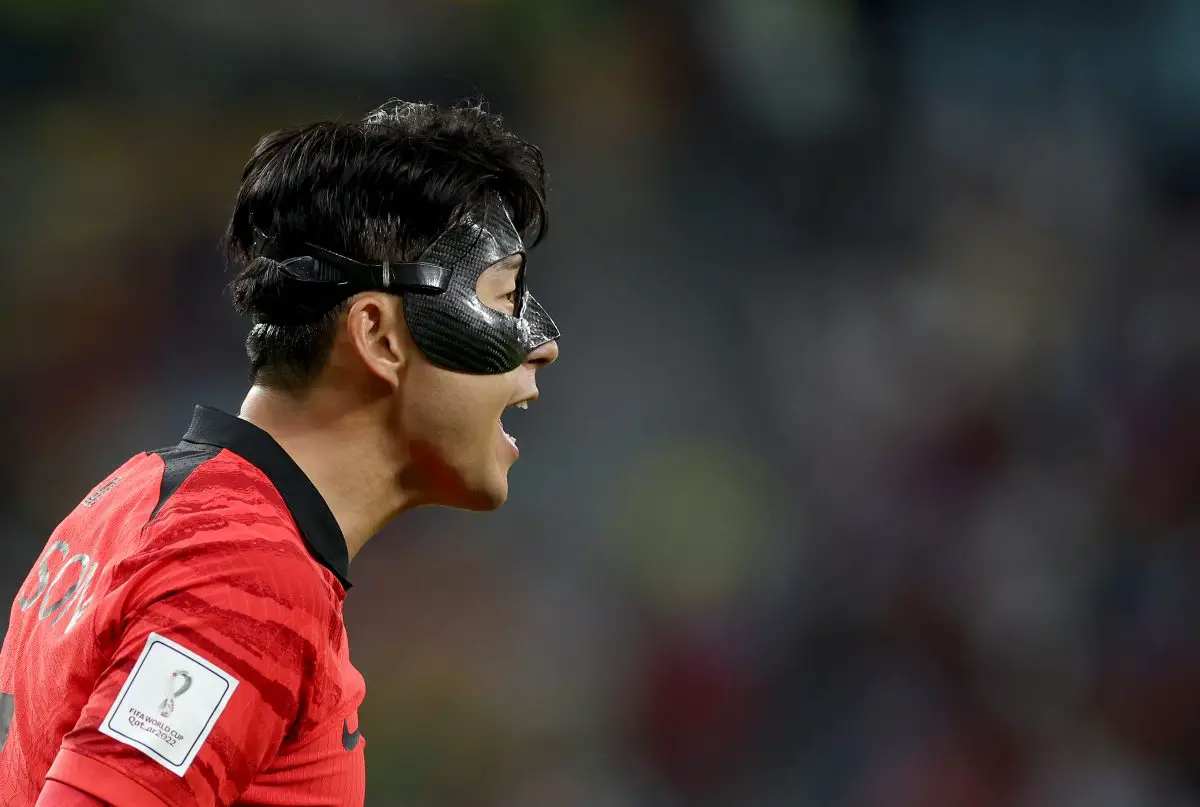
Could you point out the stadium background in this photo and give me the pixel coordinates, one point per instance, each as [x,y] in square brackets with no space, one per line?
[869,475]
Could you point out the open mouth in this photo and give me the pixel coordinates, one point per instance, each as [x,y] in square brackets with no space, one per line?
[512,440]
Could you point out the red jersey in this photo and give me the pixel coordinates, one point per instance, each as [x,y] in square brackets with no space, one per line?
[180,639]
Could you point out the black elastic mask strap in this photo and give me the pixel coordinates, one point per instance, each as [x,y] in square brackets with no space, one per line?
[414,276]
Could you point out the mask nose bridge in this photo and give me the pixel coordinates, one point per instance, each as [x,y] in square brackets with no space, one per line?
[537,328]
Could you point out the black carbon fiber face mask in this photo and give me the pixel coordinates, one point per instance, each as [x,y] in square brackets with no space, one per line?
[454,329]
[445,316]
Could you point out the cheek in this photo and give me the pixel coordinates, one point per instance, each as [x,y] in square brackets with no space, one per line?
[449,409]
[429,413]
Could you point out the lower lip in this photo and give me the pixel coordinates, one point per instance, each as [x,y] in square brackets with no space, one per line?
[508,438]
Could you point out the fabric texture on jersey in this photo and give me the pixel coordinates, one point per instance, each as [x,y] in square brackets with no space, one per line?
[320,530]
[222,546]
[56,794]
[178,463]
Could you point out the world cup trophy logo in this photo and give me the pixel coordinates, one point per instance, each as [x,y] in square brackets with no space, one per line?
[179,683]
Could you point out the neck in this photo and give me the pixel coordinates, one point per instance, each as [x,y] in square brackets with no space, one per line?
[344,451]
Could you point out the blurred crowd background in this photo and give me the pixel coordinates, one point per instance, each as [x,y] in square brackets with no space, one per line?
[870,474]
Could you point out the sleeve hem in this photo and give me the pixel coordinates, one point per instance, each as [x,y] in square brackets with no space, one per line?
[102,781]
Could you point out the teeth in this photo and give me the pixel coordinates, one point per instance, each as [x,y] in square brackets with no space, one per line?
[522,404]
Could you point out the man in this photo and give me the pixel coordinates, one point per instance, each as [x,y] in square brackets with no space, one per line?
[180,639]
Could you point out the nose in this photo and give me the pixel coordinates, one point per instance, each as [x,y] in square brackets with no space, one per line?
[544,354]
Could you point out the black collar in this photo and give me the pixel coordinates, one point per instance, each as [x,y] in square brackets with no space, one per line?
[314,518]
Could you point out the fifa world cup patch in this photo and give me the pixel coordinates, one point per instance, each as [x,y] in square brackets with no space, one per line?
[169,703]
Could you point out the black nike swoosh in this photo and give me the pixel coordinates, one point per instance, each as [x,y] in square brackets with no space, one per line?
[6,716]
[350,741]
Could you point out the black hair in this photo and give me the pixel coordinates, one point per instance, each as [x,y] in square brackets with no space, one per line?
[382,188]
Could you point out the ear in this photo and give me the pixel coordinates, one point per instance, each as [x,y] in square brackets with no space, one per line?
[376,328]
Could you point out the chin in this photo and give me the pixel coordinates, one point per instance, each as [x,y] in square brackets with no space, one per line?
[483,495]
[485,500]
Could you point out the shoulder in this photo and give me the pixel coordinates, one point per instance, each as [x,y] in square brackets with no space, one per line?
[228,521]
[245,596]
[226,541]
[207,480]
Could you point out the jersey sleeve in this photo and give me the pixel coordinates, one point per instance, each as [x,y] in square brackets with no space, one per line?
[56,794]
[215,645]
